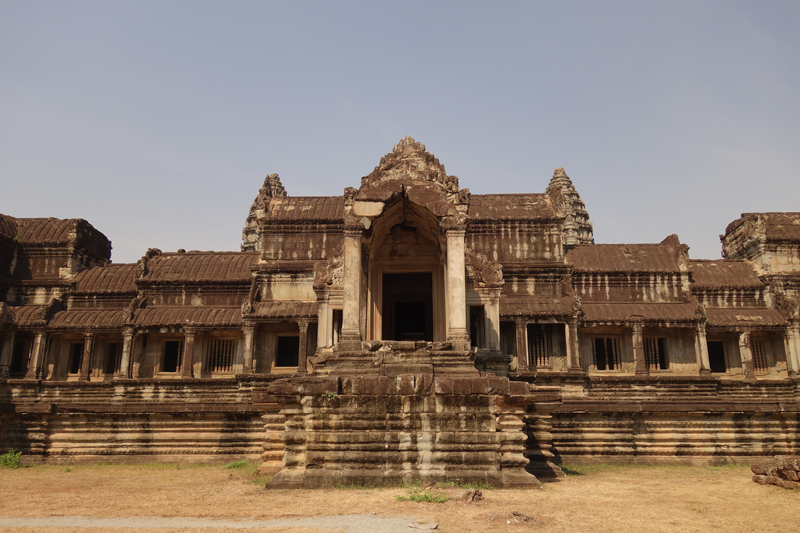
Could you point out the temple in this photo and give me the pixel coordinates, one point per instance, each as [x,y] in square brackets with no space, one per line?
[404,329]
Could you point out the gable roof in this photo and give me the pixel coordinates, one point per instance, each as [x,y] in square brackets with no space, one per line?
[511,207]
[201,266]
[724,273]
[306,208]
[107,279]
[624,258]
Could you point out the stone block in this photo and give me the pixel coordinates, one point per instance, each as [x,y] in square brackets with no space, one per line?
[462,386]
[443,386]
[479,385]
[518,388]
[497,385]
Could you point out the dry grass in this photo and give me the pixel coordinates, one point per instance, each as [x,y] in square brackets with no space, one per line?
[608,498]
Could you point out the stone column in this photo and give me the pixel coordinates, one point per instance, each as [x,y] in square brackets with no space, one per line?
[522,346]
[746,354]
[788,348]
[303,347]
[249,334]
[456,290]
[8,351]
[125,361]
[37,355]
[492,320]
[86,361]
[351,323]
[638,350]
[188,353]
[573,346]
[796,345]
[701,350]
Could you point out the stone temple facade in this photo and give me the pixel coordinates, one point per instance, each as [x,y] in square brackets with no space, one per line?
[406,329]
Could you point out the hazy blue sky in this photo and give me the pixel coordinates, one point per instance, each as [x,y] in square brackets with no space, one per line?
[157,121]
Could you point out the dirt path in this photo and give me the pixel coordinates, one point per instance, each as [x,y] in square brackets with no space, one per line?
[211,498]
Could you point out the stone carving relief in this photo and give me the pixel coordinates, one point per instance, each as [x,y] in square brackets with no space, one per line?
[248,305]
[272,188]
[484,273]
[331,272]
[6,316]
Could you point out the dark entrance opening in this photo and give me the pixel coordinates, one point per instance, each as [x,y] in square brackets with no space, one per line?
[408,307]
[172,356]
[716,356]
[288,351]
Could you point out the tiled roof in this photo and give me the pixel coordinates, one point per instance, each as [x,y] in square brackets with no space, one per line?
[44,230]
[188,316]
[619,312]
[511,207]
[743,317]
[721,273]
[110,318]
[623,258]
[535,306]
[8,226]
[285,309]
[25,315]
[201,266]
[306,208]
[111,278]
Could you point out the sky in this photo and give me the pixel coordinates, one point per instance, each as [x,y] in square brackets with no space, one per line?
[158,121]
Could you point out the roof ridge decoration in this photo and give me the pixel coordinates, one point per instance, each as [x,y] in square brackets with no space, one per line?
[577,226]
[410,160]
[141,265]
[272,188]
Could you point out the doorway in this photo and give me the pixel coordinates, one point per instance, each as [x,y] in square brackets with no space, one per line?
[716,357]
[407,307]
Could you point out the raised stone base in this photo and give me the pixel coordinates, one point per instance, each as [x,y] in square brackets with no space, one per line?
[377,430]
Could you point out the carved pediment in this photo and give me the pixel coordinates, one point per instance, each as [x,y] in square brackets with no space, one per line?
[409,161]
[331,272]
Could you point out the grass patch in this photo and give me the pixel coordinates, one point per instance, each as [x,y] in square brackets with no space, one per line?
[353,486]
[238,464]
[417,494]
[10,459]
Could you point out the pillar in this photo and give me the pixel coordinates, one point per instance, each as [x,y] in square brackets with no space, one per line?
[522,346]
[456,290]
[796,346]
[125,361]
[491,322]
[249,334]
[351,323]
[86,360]
[37,355]
[573,346]
[746,354]
[188,353]
[640,363]
[302,347]
[701,349]
[7,352]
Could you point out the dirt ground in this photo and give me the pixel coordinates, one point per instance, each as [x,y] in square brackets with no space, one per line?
[592,498]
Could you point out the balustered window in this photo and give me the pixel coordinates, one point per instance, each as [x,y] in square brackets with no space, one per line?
[607,353]
[759,349]
[654,353]
[539,345]
[220,355]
